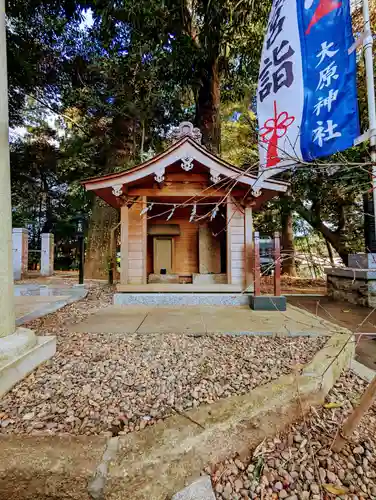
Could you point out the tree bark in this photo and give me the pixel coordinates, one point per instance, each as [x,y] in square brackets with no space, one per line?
[103,219]
[208,106]
[330,253]
[287,242]
[333,237]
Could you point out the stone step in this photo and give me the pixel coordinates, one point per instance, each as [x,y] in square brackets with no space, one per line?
[181,299]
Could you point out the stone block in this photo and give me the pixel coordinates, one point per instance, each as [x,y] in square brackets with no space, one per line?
[201,489]
[209,279]
[267,303]
[163,278]
[16,368]
[362,261]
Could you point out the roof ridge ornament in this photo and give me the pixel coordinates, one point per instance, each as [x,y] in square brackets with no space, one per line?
[186,129]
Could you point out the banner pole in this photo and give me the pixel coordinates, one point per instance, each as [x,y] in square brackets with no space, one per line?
[368,56]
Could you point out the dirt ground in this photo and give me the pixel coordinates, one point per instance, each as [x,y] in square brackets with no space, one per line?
[294,285]
[356,318]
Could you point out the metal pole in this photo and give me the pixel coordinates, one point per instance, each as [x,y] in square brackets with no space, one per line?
[256,264]
[277,265]
[368,56]
[81,253]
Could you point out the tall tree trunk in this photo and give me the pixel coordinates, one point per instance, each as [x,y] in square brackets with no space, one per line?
[335,238]
[103,219]
[208,106]
[330,252]
[287,240]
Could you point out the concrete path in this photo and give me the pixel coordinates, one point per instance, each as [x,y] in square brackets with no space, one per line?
[362,371]
[35,301]
[197,320]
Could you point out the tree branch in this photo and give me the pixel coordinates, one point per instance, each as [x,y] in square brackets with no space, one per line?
[66,117]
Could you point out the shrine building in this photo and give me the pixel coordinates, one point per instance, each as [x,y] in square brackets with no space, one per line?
[186,224]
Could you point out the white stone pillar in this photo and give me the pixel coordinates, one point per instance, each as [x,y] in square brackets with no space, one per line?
[7,320]
[47,255]
[20,252]
[20,351]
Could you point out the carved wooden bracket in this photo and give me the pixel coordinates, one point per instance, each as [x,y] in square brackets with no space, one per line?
[187,163]
[159,175]
[214,176]
[117,190]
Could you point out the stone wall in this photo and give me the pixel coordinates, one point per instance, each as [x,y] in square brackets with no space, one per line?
[353,289]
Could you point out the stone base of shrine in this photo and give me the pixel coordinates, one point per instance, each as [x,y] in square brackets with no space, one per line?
[355,284]
[181,299]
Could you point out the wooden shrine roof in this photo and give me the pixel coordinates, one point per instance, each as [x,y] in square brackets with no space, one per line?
[185,155]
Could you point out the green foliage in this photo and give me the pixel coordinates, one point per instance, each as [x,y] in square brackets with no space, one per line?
[239,137]
[101,98]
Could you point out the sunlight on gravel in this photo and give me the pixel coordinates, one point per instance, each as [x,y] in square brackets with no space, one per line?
[300,464]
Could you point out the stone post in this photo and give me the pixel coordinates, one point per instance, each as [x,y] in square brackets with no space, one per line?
[47,255]
[7,319]
[20,351]
[20,252]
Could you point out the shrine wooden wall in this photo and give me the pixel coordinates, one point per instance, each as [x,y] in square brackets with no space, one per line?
[185,246]
[134,238]
[235,245]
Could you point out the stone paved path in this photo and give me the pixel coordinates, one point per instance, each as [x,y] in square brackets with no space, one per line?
[203,320]
[34,301]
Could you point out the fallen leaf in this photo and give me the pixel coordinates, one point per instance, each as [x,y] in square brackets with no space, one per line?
[335,490]
[329,406]
[258,469]
[346,310]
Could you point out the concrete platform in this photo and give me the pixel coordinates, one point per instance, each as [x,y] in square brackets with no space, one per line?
[35,301]
[201,489]
[198,320]
[18,367]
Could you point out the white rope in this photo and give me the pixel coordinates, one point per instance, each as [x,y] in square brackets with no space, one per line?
[193,213]
[146,209]
[172,213]
[214,212]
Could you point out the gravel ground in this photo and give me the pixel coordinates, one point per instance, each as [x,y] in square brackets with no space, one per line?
[96,378]
[300,464]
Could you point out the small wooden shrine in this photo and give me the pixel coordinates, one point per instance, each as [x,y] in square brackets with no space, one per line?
[186,219]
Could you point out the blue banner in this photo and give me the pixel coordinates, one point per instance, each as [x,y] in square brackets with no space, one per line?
[330,120]
[307,98]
